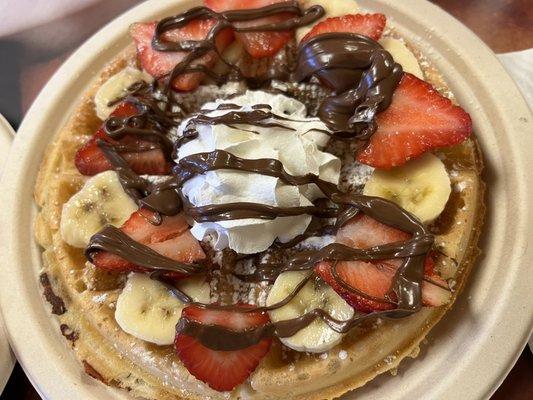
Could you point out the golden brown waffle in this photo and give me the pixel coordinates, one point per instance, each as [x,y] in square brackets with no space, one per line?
[118,359]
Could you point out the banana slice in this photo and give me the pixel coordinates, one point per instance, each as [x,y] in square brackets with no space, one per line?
[148,310]
[333,8]
[232,55]
[101,201]
[422,186]
[116,87]
[402,55]
[317,337]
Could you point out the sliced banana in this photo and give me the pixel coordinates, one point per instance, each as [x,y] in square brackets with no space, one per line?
[422,186]
[231,55]
[116,87]
[402,55]
[333,8]
[101,201]
[317,337]
[148,310]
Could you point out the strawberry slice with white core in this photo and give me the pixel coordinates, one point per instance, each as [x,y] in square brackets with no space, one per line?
[257,44]
[370,25]
[221,370]
[161,63]
[90,159]
[362,231]
[374,279]
[371,279]
[171,239]
[418,120]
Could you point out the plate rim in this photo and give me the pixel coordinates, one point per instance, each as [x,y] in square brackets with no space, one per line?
[111,37]
[7,358]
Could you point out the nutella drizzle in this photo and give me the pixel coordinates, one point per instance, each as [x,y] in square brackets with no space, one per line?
[225,20]
[125,247]
[362,74]
[363,77]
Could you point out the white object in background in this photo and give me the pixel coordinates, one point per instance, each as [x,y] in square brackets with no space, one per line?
[45,27]
[20,15]
[519,65]
[7,359]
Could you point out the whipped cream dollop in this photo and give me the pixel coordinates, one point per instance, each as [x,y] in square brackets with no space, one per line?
[299,149]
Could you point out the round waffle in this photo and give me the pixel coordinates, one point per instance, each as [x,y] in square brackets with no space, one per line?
[83,298]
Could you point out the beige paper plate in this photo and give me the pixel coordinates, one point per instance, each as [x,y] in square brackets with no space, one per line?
[7,359]
[469,352]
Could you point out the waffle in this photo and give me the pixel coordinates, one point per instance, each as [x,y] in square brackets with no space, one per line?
[84,298]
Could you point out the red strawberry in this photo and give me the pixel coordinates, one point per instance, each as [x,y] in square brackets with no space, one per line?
[160,63]
[257,44]
[362,231]
[371,279]
[139,228]
[418,120]
[375,278]
[90,159]
[370,25]
[171,239]
[221,370]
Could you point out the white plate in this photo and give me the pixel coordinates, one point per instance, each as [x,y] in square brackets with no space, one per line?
[470,351]
[20,15]
[7,359]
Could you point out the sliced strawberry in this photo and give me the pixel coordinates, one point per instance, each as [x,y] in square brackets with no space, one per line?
[435,295]
[429,266]
[90,160]
[141,230]
[362,231]
[257,44]
[435,290]
[222,370]
[418,120]
[370,25]
[236,321]
[184,248]
[374,279]
[171,238]
[125,109]
[160,63]
[151,162]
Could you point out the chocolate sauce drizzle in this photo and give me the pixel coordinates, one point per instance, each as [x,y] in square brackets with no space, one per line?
[363,76]
[130,250]
[226,20]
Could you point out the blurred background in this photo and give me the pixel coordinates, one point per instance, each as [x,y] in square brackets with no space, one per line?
[36,36]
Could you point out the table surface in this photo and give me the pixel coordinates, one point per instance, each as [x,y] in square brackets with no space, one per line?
[505,25]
